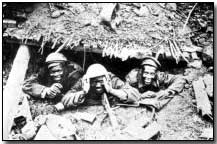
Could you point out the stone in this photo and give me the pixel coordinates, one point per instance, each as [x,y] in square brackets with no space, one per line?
[44,134]
[195,64]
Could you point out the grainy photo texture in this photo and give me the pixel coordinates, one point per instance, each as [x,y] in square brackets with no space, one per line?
[107,71]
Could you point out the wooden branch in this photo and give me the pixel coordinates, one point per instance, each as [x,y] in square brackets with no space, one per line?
[13,88]
[179,51]
[188,18]
[62,46]
[203,103]
[173,52]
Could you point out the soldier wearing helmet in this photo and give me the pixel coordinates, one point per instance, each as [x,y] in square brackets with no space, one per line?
[55,79]
[153,84]
[97,81]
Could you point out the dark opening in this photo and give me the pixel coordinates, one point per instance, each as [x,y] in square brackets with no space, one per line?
[114,65]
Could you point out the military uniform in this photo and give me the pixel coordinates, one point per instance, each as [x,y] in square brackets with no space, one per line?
[37,83]
[172,83]
[92,98]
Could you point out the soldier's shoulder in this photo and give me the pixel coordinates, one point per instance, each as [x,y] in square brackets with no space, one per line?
[134,71]
[74,66]
[71,63]
[161,75]
[113,77]
[132,76]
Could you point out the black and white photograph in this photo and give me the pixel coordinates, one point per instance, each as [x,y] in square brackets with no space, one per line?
[108,71]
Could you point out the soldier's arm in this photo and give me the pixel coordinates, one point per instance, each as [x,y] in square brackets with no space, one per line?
[33,87]
[124,91]
[76,87]
[174,83]
[74,96]
[75,78]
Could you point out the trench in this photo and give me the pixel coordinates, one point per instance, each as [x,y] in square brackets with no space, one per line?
[190,126]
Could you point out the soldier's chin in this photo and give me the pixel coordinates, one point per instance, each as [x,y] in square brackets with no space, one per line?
[147,82]
[57,79]
[99,90]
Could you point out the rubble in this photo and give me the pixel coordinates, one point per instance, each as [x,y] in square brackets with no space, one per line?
[143,133]
[195,64]
[44,134]
[60,127]
[85,116]
[207,134]
[29,130]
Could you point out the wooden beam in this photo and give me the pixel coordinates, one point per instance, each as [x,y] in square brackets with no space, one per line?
[37,44]
[208,81]
[203,103]
[24,108]
[17,41]
[13,88]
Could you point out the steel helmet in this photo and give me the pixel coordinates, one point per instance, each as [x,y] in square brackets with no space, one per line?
[96,70]
[55,57]
[151,61]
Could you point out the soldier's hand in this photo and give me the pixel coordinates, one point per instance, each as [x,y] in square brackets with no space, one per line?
[163,94]
[54,90]
[49,93]
[149,94]
[85,84]
[58,85]
[107,86]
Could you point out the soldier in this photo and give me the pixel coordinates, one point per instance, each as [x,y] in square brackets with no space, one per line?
[97,81]
[55,80]
[156,88]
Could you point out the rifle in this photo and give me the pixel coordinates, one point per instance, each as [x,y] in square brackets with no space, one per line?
[107,107]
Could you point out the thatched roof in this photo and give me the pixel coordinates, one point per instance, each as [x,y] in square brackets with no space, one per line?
[135,36]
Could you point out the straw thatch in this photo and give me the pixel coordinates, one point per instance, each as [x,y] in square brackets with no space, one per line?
[142,29]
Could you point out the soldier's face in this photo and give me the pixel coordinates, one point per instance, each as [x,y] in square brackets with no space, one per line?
[56,73]
[148,75]
[97,84]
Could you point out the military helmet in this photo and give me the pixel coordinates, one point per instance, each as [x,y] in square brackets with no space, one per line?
[55,57]
[96,70]
[151,61]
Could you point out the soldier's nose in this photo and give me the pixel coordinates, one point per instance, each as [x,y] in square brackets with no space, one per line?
[148,78]
[98,84]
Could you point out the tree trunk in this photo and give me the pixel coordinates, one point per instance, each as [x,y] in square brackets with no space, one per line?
[13,88]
